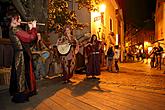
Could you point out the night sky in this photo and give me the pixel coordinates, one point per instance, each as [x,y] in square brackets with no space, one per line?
[138,12]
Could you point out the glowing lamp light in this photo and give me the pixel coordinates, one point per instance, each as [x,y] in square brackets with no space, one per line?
[163,55]
[140,46]
[126,44]
[137,46]
[102,8]
[146,44]
[149,49]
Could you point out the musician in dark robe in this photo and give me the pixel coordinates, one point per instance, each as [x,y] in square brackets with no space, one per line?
[22,81]
[92,50]
[68,60]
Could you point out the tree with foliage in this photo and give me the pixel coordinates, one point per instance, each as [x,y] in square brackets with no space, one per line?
[59,15]
[89,4]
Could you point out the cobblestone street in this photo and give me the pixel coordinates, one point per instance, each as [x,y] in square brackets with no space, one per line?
[137,76]
[135,87]
[82,55]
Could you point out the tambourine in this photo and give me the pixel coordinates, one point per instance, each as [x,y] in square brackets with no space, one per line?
[64,49]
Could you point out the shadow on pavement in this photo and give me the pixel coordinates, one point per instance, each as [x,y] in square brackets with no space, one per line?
[88,84]
[46,88]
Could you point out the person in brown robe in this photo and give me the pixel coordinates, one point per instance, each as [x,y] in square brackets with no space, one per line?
[68,60]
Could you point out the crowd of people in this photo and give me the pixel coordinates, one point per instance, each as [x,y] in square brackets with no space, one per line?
[34,60]
[113,55]
[156,56]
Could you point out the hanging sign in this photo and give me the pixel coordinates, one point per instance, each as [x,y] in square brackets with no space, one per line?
[97,18]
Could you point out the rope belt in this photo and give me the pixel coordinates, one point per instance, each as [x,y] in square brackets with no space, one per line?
[95,52]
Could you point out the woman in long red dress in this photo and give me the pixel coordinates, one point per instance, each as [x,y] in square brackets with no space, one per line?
[22,81]
[93,56]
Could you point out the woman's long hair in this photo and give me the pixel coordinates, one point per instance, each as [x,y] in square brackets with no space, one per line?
[65,27]
[12,18]
[92,38]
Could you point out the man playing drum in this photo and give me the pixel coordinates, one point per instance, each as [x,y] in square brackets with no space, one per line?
[40,55]
[67,46]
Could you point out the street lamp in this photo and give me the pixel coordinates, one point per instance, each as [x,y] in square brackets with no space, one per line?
[102,8]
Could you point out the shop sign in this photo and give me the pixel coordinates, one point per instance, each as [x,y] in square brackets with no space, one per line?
[97,18]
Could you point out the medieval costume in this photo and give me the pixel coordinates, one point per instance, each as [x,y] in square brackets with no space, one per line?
[93,57]
[40,55]
[54,63]
[68,60]
[22,81]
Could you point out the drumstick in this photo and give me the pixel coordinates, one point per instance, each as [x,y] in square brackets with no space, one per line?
[36,52]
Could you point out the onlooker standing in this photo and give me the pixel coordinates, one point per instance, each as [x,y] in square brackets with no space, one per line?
[116,57]
[152,55]
[159,56]
[110,54]
[143,56]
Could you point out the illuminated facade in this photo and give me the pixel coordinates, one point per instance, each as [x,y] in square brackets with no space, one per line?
[106,22]
[160,20]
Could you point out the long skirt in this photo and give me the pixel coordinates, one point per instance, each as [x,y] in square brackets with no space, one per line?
[68,64]
[22,81]
[93,65]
